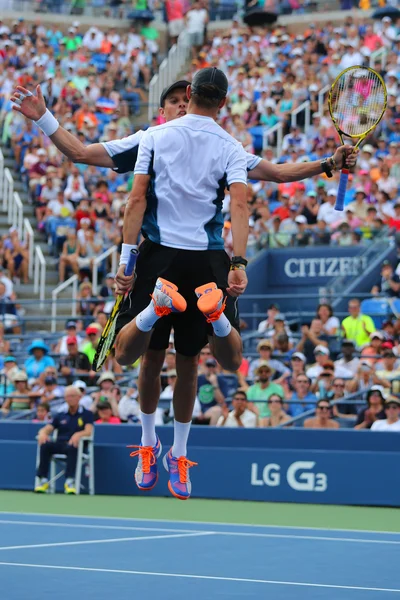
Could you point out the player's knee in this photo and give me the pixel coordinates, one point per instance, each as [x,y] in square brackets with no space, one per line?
[231,363]
[122,356]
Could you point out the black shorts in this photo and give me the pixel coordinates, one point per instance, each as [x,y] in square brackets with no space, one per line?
[188,269]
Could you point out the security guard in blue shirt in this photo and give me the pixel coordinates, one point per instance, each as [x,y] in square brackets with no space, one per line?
[71,427]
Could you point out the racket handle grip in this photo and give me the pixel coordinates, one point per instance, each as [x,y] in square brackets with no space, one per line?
[342,189]
[130,266]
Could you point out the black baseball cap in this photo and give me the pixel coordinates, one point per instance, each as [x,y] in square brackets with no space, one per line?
[210,82]
[182,83]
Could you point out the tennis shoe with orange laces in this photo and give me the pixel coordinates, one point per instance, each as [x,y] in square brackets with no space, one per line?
[179,483]
[210,301]
[167,299]
[146,474]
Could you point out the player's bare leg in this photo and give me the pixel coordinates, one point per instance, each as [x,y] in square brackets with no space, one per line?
[226,343]
[175,460]
[134,338]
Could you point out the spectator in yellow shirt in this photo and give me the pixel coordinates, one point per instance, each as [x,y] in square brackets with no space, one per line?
[357,327]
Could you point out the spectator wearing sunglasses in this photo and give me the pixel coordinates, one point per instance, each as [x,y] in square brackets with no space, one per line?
[322,419]
[392,421]
[278,416]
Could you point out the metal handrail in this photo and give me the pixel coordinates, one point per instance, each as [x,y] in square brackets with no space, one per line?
[321,98]
[8,190]
[306,106]
[40,275]
[278,128]
[169,70]
[1,172]
[18,214]
[376,55]
[28,238]
[72,281]
[113,251]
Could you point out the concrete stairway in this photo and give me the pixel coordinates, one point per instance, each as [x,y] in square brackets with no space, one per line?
[40,316]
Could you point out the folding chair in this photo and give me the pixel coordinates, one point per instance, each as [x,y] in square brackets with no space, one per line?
[84,460]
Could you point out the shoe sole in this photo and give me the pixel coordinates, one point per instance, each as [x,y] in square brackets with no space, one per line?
[165,463]
[208,303]
[148,489]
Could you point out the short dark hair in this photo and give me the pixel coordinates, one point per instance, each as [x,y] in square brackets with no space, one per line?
[323,400]
[45,405]
[209,100]
[242,393]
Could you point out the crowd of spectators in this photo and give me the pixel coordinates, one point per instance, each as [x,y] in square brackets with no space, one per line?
[292,375]
[94,81]
[270,75]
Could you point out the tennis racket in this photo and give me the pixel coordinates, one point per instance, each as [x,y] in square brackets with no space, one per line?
[107,339]
[357,102]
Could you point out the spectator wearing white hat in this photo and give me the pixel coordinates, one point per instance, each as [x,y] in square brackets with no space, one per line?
[359,206]
[321,354]
[265,348]
[351,57]
[327,211]
[392,412]
[303,235]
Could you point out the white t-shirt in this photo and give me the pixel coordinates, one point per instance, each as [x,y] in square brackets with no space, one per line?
[328,213]
[332,323]
[190,160]
[383,425]
[124,153]
[55,206]
[196,20]
[248,418]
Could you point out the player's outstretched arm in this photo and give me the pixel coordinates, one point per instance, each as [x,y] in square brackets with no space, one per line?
[237,279]
[345,156]
[33,107]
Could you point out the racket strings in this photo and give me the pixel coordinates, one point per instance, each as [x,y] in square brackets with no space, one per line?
[358,101]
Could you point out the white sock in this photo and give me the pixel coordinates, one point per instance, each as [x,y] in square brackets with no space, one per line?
[222,326]
[149,437]
[181,434]
[146,319]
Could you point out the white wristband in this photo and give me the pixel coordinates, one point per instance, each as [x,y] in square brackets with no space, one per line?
[48,123]
[125,253]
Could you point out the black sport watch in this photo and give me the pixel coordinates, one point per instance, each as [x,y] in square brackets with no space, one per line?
[238,262]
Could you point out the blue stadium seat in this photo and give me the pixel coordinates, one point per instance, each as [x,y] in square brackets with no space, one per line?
[378,309]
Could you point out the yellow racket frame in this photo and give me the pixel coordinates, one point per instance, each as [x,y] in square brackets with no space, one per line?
[363,135]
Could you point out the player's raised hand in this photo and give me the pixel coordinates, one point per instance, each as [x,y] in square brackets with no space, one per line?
[32,106]
[237,281]
[346,156]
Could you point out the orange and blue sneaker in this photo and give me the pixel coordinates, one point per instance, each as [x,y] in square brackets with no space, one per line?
[167,299]
[146,474]
[179,483]
[210,301]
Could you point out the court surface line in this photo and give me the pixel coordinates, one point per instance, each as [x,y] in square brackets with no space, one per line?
[191,531]
[308,537]
[204,577]
[87,526]
[215,523]
[110,541]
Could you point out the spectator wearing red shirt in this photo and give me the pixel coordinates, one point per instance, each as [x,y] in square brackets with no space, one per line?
[105,413]
[394,222]
[283,212]
[175,18]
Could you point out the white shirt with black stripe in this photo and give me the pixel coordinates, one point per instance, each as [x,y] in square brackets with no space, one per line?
[190,160]
[124,152]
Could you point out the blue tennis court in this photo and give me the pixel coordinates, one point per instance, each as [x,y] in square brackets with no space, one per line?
[85,558]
